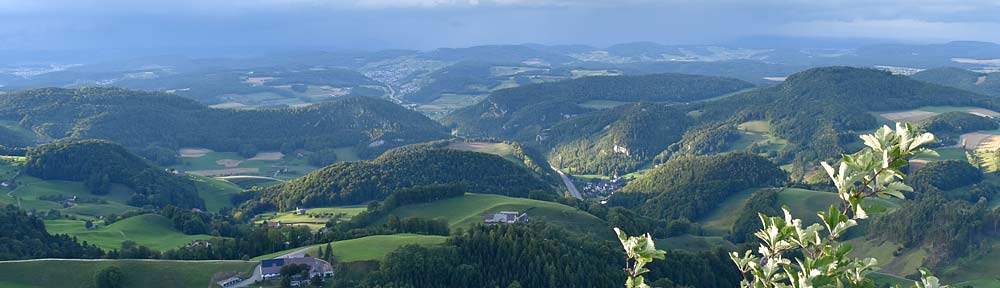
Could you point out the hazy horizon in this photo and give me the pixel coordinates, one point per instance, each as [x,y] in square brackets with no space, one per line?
[162,27]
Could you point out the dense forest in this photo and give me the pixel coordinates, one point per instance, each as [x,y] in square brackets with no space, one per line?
[11,138]
[24,237]
[408,166]
[141,120]
[537,255]
[99,163]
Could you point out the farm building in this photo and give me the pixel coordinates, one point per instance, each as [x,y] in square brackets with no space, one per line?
[271,268]
[229,282]
[505,217]
[272,224]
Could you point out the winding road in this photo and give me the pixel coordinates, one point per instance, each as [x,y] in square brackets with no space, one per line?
[569,184]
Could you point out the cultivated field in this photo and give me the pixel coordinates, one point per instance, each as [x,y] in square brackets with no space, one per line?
[926,112]
[137,273]
[150,230]
[205,162]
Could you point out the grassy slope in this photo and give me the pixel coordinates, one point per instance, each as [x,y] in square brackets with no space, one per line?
[151,230]
[366,248]
[468,210]
[75,273]
[500,149]
[215,192]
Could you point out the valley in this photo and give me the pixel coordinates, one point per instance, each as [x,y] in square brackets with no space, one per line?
[494,166]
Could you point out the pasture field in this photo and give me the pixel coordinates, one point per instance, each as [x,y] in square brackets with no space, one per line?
[205,162]
[468,210]
[245,181]
[216,192]
[757,132]
[801,203]
[30,190]
[602,104]
[314,218]
[16,128]
[150,230]
[137,273]
[373,247]
[500,149]
[449,102]
[695,243]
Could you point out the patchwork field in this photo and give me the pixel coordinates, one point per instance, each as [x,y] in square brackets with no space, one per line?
[150,230]
[314,218]
[137,273]
[926,112]
[448,102]
[204,162]
[465,211]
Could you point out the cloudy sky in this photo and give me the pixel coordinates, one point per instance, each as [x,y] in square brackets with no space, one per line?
[156,25]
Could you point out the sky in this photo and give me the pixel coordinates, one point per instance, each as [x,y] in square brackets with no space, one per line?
[154,25]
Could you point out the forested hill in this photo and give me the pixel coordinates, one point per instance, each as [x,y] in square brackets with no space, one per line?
[524,110]
[415,165]
[983,83]
[688,187]
[817,110]
[138,119]
[100,163]
[24,237]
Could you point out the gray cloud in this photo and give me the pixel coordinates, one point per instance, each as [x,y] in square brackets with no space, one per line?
[425,24]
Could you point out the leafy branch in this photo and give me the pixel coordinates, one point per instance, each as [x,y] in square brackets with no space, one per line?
[875,171]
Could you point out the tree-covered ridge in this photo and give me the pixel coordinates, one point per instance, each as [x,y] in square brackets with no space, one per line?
[688,187]
[983,83]
[816,110]
[524,110]
[408,166]
[949,126]
[139,119]
[99,163]
[24,237]
[615,141]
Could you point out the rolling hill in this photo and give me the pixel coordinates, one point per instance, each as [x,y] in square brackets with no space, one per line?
[415,165]
[465,211]
[137,273]
[816,111]
[983,83]
[100,163]
[150,230]
[146,120]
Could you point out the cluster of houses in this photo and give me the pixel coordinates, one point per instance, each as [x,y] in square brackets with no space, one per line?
[271,269]
[505,217]
[603,189]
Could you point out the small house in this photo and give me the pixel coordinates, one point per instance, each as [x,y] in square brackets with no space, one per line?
[271,268]
[4,184]
[505,217]
[200,243]
[272,224]
[300,211]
